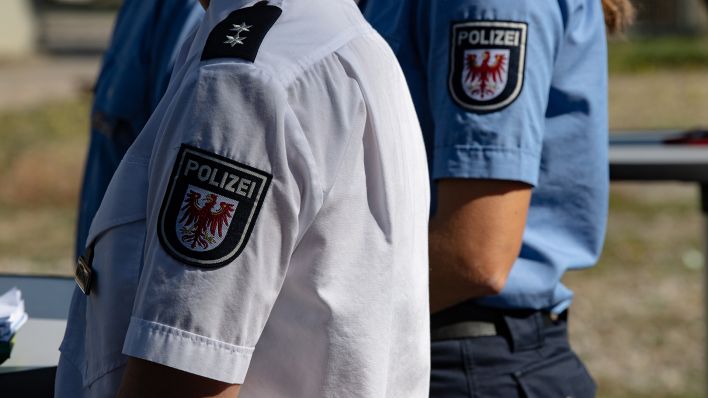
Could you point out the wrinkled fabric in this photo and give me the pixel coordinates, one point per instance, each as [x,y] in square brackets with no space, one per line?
[552,137]
[329,295]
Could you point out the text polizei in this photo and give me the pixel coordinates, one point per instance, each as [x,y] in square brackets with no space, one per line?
[220,178]
[492,37]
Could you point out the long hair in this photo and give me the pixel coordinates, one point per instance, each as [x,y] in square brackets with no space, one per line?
[619,15]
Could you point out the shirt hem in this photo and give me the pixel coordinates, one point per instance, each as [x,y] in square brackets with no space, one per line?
[187,351]
[489,163]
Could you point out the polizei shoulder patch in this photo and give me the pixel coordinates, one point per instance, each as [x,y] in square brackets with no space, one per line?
[487,61]
[210,207]
[240,35]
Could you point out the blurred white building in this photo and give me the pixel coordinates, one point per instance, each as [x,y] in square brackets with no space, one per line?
[71,27]
[18,28]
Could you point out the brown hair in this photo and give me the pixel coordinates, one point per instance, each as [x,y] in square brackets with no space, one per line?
[619,14]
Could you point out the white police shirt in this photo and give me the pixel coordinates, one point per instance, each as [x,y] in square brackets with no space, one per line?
[269,225]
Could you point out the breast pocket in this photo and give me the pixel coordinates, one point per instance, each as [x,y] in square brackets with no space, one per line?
[98,322]
[116,266]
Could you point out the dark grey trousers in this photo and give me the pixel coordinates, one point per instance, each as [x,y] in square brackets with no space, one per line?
[528,358]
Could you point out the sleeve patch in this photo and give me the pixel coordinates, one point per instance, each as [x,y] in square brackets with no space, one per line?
[487,62]
[240,35]
[210,207]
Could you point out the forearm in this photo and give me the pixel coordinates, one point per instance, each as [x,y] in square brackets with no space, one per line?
[147,379]
[448,288]
[458,275]
[474,238]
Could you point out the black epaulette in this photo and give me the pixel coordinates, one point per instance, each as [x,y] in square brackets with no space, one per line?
[240,35]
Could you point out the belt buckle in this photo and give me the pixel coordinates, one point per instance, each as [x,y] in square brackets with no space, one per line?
[83,274]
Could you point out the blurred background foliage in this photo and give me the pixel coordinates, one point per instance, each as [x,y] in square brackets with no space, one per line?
[650,54]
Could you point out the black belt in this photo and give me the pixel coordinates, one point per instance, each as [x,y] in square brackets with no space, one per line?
[463,330]
[468,320]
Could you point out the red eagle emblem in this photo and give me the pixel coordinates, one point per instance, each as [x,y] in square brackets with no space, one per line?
[486,72]
[202,222]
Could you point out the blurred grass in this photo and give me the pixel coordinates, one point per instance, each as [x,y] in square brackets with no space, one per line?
[638,316]
[637,319]
[37,127]
[666,53]
[41,157]
[659,83]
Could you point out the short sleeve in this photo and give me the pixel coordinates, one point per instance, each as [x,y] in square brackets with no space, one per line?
[490,65]
[232,188]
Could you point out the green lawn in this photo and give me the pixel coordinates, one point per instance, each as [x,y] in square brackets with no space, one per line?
[41,157]
[648,55]
[637,319]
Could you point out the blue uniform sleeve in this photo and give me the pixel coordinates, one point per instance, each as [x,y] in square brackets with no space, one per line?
[489,66]
[134,76]
[173,26]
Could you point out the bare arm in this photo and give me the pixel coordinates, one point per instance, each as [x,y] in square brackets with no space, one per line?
[148,379]
[475,237]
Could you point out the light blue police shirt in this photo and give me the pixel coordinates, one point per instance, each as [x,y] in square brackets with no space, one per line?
[515,90]
[134,75]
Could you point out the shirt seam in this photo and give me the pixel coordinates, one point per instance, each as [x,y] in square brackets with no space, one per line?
[318,187]
[478,148]
[160,328]
[325,190]
[301,66]
[316,57]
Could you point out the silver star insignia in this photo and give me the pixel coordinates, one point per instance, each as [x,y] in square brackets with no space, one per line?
[237,39]
[234,40]
[241,28]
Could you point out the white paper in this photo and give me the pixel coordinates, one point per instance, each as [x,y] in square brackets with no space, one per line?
[12,313]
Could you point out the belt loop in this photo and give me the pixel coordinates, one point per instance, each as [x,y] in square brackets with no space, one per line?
[526,332]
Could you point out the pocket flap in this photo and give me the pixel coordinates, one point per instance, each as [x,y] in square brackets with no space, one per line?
[562,375]
[125,200]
